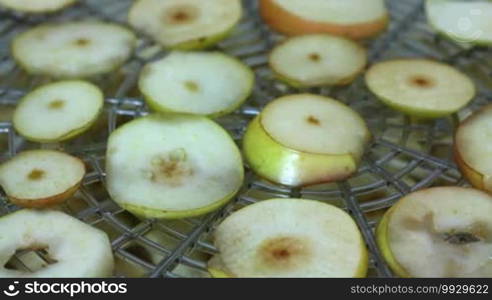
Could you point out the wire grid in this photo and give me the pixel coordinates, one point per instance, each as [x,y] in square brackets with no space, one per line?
[405,156]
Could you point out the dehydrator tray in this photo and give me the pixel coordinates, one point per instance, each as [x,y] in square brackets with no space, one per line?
[406,155]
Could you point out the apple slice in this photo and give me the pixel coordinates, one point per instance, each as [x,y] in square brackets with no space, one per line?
[473,149]
[172,166]
[36,6]
[305,139]
[75,249]
[439,232]
[186,24]
[73,49]
[462,21]
[420,87]
[39,178]
[204,83]
[356,19]
[317,60]
[284,238]
[58,111]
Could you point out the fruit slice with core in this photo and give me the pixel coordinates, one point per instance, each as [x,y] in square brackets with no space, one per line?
[186,24]
[473,149]
[172,166]
[40,178]
[462,21]
[204,83]
[75,249]
[439,232]
[419,87]
[283,238]
[354,19]
[58,111]
[73,49]
[317,60]
[36,6]
[305,139]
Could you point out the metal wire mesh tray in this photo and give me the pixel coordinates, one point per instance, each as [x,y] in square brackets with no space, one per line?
[405,155]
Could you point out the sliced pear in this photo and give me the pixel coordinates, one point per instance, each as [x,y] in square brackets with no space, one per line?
[285,238]
[439,232]
[186,24]
[58,111]
[462,21]
[354,19]
[473,149]
[204,83]
[36,6]
[172,166]
[39,178]
[75,248]
[318,60]
[217,268]
[305,139]
[73,49]
[420,87]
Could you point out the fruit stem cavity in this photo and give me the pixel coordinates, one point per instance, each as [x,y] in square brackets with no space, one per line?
[171,168]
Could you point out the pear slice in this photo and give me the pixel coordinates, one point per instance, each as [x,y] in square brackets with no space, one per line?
[172,166]
[473,149]
[36,6]
[290,238]
[304,139]
[186,24]
[58,111]
[75,249]
[356,19]
[420,87]
[204,83]
[439,232]
[462,21]
[73,49]
[217,268]
[39,178]
[318,60]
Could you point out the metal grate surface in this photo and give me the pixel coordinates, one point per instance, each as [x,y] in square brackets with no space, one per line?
[405,156]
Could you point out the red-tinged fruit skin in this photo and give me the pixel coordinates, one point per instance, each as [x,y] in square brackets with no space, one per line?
[287,23]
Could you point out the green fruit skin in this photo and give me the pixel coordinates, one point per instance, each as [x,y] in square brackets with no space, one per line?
[69,135]
[157,107]
[151,213]
[46,11]
[303,85]
[279,164]
[72,134]
[202,43]
[216,273]
[364,262]
[420,113]
[382,240]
